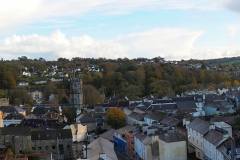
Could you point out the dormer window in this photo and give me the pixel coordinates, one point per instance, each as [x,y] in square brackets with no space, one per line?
[39,136]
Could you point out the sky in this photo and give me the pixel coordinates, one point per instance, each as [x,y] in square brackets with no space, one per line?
[172,29]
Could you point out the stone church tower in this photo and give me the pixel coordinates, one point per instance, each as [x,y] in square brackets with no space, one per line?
[76,94]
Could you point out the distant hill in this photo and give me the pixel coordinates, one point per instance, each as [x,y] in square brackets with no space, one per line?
[226,61]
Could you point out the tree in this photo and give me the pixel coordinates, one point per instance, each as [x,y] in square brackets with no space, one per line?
[2,93]
[91,95]
[116,118]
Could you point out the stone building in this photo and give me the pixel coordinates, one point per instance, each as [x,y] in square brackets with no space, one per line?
[17,137]
[59,142]
[76,95]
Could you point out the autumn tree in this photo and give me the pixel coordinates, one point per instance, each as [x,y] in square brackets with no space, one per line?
[91,95]
[116,118]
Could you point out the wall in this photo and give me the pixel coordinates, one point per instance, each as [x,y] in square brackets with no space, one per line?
[173,150]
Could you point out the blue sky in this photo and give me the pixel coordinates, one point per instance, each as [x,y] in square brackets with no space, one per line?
[172,29]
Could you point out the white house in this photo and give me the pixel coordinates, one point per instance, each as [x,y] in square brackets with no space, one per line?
[211,141]
[142,146]
[195,131]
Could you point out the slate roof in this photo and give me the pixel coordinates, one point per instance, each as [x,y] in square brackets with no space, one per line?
[113,104]
[199,125]
[87,119]
[164,106]
[186,104]
[213,97]
[12,116]
[155,115]
[199,98]
[214,137]
[101,145]
[51,134]
[136,116]
[125,128]
[39,111]
[8,109]
[158,101]
[58,125]
[185,111]
[170,137]
[108,134]
[35,123]
[123,103]
[170,121]
[140,136]
[223,119]
[187,98]
[219,106]
[17,131]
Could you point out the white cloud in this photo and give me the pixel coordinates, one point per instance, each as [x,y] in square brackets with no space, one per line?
[216,52]
[57,45]
[168,43]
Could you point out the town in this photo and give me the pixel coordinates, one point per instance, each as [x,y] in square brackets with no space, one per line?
[141,109]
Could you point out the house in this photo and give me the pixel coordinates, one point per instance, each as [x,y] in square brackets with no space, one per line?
[4,102]
[152,117]
[56,80]
[8,110]
[211,142]
[35,95]
[172,147]
[135,118]
[219,108]
[36,123]
[222,90]
[23,83]
[195,131]
[120,138]
[164,107]
[26,73]
[100,148]
[88,121]
[56,141]
[142,146]
[12,119]
[17,137]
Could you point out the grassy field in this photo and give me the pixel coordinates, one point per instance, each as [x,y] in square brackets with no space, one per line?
[230,63]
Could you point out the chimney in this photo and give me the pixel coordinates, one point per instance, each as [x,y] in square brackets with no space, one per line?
[211,126]
[233,148]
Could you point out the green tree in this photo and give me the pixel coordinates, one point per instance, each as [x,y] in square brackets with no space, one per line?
[2,93]
[116,118]
[9,81]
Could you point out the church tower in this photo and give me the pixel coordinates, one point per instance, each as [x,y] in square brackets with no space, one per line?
[76,94]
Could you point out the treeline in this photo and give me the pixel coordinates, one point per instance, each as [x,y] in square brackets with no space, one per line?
[123,77]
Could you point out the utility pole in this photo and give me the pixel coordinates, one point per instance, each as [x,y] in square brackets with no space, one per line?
[57,149]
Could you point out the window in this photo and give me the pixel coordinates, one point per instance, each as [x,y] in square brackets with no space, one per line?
[46,148]
[53,147]
[39,148]
[33,148]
